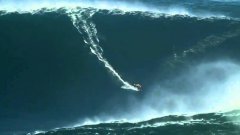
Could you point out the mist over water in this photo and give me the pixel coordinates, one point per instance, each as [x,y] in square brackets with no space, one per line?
[203,88]
[207,87]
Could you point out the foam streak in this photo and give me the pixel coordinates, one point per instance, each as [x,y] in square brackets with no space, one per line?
[81,21]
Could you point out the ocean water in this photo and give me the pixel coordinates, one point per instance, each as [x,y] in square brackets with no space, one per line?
[71,67]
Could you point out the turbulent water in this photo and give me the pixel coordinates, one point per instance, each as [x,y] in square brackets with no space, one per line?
[207,124]
[70,67]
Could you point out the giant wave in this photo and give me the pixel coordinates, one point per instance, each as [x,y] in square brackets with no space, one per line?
[186,60]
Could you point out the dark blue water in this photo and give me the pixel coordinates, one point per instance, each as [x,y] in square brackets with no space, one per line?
[187,63]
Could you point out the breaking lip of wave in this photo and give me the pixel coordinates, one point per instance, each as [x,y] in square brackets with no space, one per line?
[34,7]
[185,120]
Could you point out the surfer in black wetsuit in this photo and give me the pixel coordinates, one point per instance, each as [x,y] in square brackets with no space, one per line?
[138,86]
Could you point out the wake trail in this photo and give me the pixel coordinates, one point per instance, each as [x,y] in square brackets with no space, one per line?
[82,22]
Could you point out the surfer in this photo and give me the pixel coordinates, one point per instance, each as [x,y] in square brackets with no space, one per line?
[138,86]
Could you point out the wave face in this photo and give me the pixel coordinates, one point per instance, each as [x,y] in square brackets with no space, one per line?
[75,64]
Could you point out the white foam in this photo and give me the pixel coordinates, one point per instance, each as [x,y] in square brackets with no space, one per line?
[27,5]
[37,132]
[33,6]
[81,21]
[161,124]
